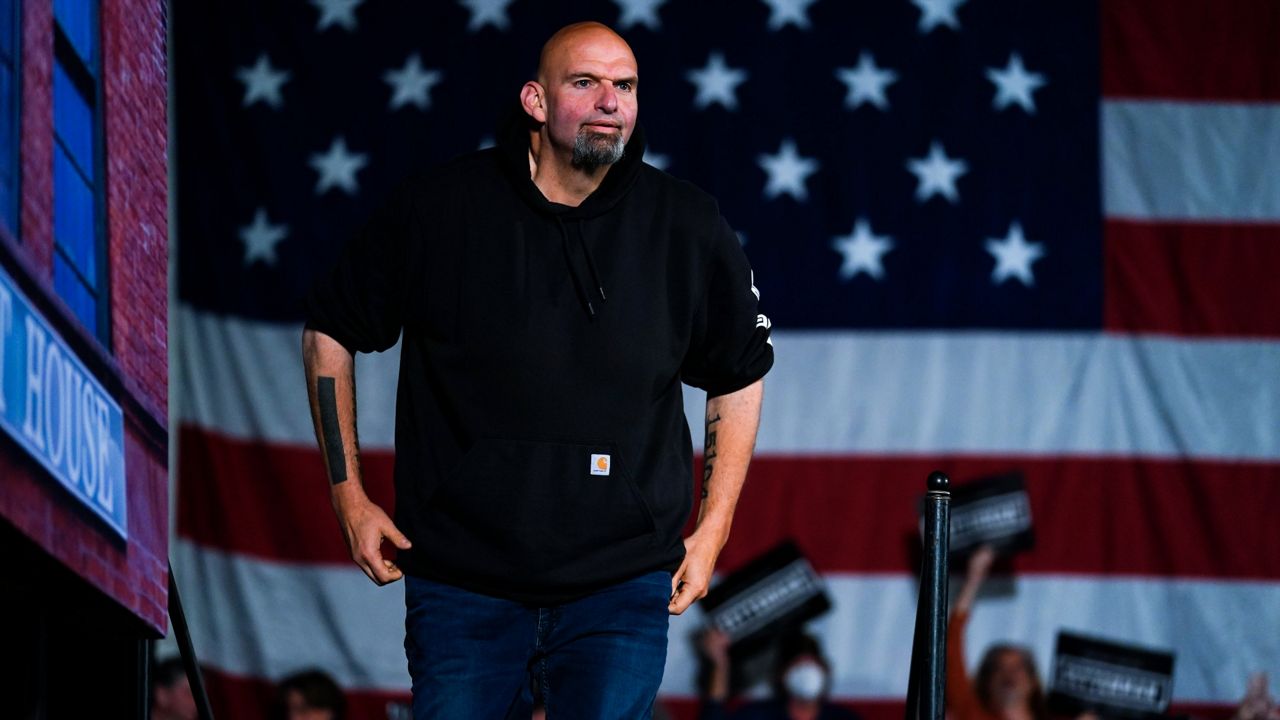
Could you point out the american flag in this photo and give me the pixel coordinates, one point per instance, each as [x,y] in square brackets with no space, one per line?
[991,235]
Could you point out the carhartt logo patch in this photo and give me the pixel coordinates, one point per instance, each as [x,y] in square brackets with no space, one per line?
[599,464]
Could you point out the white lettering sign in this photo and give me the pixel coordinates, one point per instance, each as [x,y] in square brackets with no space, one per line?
[6,322]
[32,427]
[55,409]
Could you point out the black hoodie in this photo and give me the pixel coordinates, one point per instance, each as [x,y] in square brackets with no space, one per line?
[541,445]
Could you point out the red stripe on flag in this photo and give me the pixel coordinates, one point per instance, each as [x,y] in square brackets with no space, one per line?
[1091,516]
[850,514]
[1191,49]
[1192,278]
[246,698]
[268,501]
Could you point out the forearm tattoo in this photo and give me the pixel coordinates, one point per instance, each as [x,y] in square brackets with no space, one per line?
[708,458]
[327,396]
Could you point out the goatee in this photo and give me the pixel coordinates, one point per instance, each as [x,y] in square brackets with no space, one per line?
[592,149]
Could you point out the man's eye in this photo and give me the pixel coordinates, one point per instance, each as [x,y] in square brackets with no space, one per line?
[624,86]
[583,83]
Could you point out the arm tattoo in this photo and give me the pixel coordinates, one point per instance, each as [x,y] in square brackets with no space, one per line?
[708,457]
[327,395]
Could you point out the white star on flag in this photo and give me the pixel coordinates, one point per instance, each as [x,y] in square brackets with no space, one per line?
[1015,85]
[866,83]
[639,12]
[937,174]
[784,12]
[657,160]
[262,82]
[863,251]
[261,237]
[338,168]
[487,12]
[412,84]
[717,83]
[336,12]
[1014,256]
[938,12]
[788,171]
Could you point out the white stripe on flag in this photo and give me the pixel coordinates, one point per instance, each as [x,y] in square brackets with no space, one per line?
[847,392]
[244,379]
[1017,394]
[1165,160]
[264,619]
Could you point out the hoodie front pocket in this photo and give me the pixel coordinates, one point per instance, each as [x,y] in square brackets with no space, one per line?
[543,504]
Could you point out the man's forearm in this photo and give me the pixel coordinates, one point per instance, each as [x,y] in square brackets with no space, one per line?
[731,425]
[331,386]
[330,371]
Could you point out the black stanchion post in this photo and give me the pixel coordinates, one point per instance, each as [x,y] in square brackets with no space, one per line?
[925,695]
[183,634]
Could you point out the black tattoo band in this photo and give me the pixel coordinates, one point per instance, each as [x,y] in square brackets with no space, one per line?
[709,455]
[327,395]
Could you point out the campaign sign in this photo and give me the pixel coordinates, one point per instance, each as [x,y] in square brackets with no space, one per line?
[58,412]
[1109,678]
[756,604]
[992,510]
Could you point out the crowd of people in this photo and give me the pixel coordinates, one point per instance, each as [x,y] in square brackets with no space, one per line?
[307,695]
[1007,684]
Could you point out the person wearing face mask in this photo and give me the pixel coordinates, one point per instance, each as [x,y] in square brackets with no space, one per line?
[801,683]
[1007,686]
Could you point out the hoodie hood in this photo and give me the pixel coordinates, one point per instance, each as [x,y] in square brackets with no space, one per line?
[513,145]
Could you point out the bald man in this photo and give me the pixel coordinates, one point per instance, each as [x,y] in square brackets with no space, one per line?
[553,293]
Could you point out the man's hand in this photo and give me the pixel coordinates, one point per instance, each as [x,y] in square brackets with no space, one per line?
[1258,703]
[715,643]
[691,581]
[364,526]
[980,563]
[979,567]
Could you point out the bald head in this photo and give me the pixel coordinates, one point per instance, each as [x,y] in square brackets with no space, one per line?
[591,40]
[584,100]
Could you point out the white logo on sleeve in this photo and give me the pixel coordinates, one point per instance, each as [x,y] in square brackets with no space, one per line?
[599,464]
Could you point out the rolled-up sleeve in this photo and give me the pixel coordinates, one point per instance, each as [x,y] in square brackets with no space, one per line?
[730,346]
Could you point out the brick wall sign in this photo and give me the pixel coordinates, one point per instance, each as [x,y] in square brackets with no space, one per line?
[58,412]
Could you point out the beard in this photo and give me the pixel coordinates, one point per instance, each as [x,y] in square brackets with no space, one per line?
[592,149]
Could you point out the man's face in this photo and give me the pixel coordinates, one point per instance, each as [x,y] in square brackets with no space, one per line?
[590,97]
[174,702]
[296,708]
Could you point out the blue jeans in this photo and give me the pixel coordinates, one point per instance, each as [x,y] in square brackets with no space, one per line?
[476,657]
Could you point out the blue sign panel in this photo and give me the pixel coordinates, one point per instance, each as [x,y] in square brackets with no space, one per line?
[59,412]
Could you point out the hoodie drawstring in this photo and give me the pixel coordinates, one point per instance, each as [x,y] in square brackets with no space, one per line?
[578,284]
[591,263]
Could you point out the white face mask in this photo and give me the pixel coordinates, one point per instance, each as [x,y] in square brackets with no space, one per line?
[805,681]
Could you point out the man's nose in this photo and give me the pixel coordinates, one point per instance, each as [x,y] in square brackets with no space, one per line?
[607,101]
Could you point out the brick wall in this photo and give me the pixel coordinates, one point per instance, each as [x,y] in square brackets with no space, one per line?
[135,372]
[134,76]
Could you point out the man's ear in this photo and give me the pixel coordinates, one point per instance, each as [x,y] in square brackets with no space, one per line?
[533,100]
